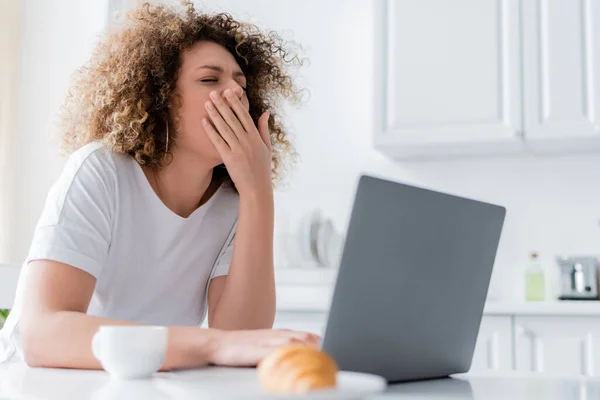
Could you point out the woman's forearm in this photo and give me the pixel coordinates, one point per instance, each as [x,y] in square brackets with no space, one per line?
[248,298]
[63,339]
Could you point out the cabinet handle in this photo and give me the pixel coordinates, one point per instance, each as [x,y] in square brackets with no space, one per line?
[519,330]
[537,350]
[492,349]
[587,367]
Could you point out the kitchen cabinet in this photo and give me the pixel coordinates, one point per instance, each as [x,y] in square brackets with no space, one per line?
[561,52]
[557,345]
[493,350]
[557,337]
[561,345]
[481,77]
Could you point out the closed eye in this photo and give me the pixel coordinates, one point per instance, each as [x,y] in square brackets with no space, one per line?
[216,80]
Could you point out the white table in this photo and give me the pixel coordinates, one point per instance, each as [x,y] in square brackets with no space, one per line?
[506,386]
[18,381]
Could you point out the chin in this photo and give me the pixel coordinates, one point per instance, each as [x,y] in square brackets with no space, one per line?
[212,155]
[204,150]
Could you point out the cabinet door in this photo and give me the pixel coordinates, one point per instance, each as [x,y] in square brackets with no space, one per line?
[557,345]
[494,347]
[449,81]
[561,61]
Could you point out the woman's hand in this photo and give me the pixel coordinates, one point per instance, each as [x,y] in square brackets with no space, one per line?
[244,148]
[248,348]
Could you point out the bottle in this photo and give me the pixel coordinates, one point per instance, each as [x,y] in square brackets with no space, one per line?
[534,279]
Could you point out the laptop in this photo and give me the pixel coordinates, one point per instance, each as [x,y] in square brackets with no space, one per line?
[412,281]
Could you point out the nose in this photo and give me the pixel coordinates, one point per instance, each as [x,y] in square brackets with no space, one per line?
[236,89]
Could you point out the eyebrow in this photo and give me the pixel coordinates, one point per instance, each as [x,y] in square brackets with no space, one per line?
[221,70]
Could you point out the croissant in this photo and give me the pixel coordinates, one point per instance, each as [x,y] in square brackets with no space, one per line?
[296,369]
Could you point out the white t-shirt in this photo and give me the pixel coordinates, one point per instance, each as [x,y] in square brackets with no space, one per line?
[151,265]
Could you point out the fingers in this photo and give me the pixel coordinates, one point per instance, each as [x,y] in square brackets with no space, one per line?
[240,111]
[313,339]
[216,139]
[300,337]
[227,114]
[221,126]
[230,115]
[263,129]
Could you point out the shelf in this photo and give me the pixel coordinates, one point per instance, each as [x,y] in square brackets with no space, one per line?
[310,290]
[318,298]
[551,307]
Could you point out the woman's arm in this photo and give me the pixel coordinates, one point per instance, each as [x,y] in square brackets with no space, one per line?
[56,332]
[245,298]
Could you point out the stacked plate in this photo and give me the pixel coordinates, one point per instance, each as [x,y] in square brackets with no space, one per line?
[319,242]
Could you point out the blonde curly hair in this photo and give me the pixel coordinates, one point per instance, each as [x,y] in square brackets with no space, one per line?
[126,94]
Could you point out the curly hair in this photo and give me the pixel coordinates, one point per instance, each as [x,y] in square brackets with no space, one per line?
[126,94]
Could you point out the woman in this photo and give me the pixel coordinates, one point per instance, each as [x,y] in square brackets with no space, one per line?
[174,145]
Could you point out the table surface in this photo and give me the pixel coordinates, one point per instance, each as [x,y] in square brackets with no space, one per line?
[17,381]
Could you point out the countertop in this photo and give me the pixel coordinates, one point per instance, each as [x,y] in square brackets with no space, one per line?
[311,289]
[18,381]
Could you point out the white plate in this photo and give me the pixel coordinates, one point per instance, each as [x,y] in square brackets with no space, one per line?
[307,235]
[226,383]
[350,385]
[324,234]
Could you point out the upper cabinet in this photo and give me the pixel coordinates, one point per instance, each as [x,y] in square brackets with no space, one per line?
[476,77]
[561,61]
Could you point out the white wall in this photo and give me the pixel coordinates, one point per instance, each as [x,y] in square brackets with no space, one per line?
[57,37]
[552,203]
[10,35]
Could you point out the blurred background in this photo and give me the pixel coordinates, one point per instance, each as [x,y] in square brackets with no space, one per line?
[497,100]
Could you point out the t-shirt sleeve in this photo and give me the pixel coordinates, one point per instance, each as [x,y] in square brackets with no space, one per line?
[224,260]
[76,223]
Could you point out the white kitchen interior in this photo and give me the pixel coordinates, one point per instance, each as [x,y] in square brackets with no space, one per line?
[497,100]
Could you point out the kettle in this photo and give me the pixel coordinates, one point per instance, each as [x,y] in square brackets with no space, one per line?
[578,278]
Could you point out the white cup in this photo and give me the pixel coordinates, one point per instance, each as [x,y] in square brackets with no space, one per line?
[130,352]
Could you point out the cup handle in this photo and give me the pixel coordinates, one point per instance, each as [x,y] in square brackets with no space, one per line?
[96,345]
